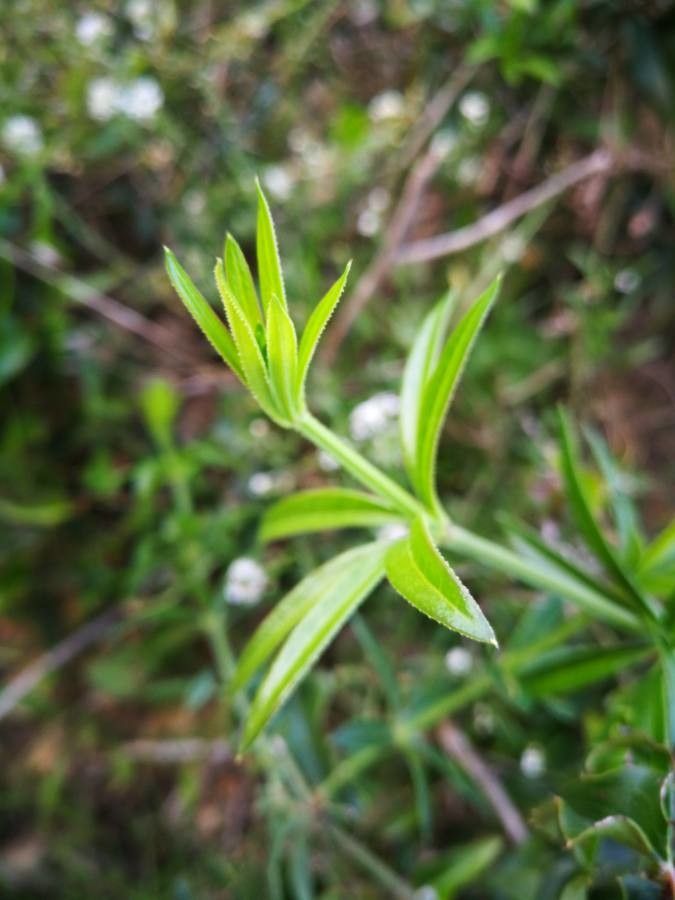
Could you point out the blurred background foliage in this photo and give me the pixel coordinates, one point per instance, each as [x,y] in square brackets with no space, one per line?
[133,470]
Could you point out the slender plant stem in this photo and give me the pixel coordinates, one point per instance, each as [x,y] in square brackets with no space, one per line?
[359,853]
[538,575]
[358,466]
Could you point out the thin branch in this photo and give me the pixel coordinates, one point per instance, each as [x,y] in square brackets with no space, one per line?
[27,680]
[178,751]
[458,747]
[125,318]
[599,162]
[401,220]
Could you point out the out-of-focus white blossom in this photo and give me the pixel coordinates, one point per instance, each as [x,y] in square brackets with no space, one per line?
[195,203]
[369,222]
[512,248]
[363,12]
[259,428]
[278,181]
[378,199]
[92,27]
[254,24]
[104,97]
[392,531]
[532,762]
[143,16]
[475,107]
[626,281]
[443,142]
[374,415]
[468,171]
[22,135]
[459,661]
[426,892]
[326,462]
[387,105]
[483,720]
[261,484]
[45,253]
[142,99]
[245,582]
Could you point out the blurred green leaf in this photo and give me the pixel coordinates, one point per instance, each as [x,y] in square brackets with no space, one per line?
[160,403]
[567,669]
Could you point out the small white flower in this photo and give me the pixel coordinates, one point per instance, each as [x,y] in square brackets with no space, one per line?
[245,582]
[253,24]
[141,15]
[387,105]
[363,12]
[326,462]
[444,141]
[143,99]
[259,428]
[374,415]
[512,248]
[300,140]
[22,135]
[627,281]
[483,720]
[468,171]
[459,661]
[426,892]
[92,27]
[104,97]
[260,484]
[195,203]
[392,531]
[278,181]
[45,253]
[532,762]
[378,199]
[368,222]
[475,107]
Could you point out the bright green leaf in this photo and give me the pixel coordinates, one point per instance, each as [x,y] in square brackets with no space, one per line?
[282,356]
[621,829]
[360,571]
[316,324]
[240,280]
[322,509]
[214,330]
[419,366]
[269,264]
[251,358]
[419,573]
[440,390]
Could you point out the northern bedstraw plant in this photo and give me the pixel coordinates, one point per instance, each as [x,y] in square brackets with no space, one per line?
[262,349]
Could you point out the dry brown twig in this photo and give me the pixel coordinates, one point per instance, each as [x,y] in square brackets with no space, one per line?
[458,747]
[600,162]
[28,679]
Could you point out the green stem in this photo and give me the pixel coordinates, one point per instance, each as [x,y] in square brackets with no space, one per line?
[359,467]
[359,853]
[538,575]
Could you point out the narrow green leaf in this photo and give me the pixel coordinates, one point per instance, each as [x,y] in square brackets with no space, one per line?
[528,540]
[282,356]
[567,669]
[419,573]
[288,612]
[269,264]
[621,829]
[440,390]
[668,688]
[322,509]
[239,278]
[316,324]
[418,368]
[581,511]
[203,314]
[361,569]
[657,566]
[251,358]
